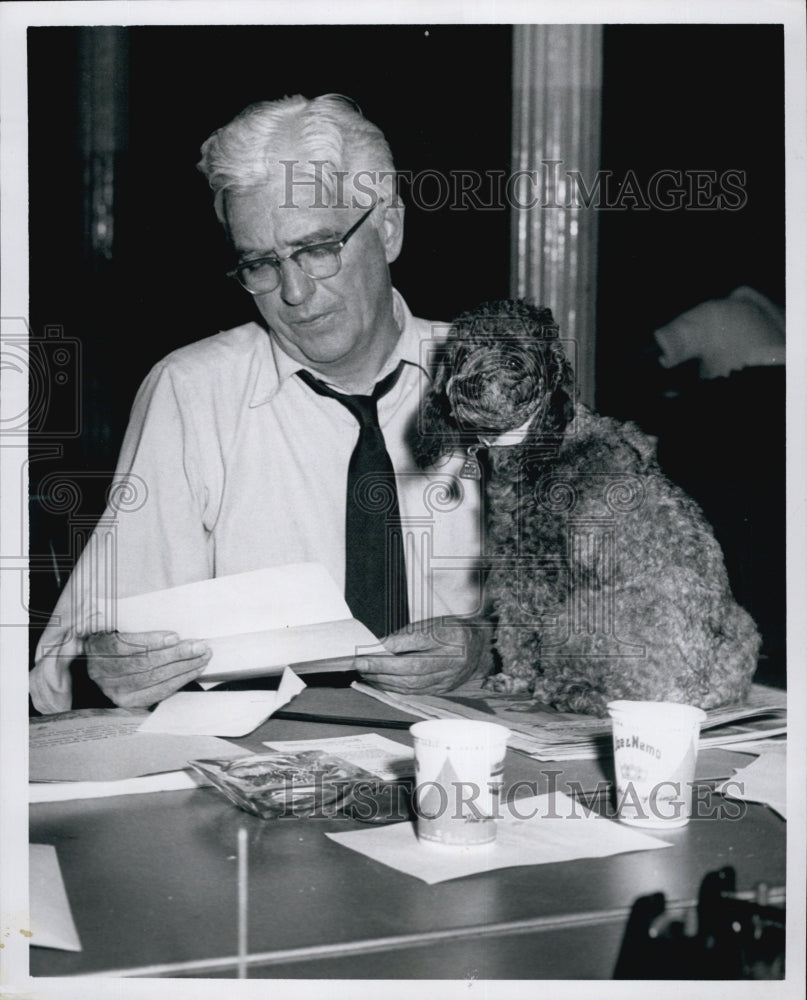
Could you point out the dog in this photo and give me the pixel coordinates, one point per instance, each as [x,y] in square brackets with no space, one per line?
[606,581]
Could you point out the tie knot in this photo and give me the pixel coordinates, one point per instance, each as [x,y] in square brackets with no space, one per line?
[363,408]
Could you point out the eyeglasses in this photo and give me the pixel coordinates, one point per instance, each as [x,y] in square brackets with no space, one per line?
[320,260]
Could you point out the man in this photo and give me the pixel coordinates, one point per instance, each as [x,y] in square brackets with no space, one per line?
[238,446]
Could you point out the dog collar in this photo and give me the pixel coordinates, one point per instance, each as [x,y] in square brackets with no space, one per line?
[514,436]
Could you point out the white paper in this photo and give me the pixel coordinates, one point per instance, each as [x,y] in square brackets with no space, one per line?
[384,758]
[277,597]
[52,924]
[255,623]
[105,745]
[68,791]
[558,828]
[220,713]
[765,781]
[239,657]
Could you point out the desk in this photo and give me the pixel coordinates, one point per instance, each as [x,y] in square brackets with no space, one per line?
[152,883]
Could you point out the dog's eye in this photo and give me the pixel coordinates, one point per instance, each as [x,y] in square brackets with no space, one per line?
[512,364]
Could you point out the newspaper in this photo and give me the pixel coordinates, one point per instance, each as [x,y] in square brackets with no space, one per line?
[545,734]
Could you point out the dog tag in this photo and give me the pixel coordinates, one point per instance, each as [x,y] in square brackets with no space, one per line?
[470,467]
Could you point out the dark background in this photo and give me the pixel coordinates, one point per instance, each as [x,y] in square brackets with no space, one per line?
[682,97]
[674,97]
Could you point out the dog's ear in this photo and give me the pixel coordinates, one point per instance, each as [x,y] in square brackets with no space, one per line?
[560,377]
[436,433]
[560,374]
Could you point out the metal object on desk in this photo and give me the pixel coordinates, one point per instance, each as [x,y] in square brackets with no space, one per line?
[738,936]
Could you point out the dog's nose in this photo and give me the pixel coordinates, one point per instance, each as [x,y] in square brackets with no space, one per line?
[473,385]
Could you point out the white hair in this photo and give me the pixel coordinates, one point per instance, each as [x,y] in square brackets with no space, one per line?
[328,132]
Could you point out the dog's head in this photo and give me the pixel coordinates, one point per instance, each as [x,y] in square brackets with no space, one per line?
[501,367]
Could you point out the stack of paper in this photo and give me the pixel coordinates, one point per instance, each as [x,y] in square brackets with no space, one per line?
[540,732]
[95,752]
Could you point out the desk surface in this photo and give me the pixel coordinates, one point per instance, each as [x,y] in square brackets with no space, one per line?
[152,883]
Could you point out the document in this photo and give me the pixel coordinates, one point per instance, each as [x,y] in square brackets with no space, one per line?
[220,713]
[255,623]
[105,745]
[383,758]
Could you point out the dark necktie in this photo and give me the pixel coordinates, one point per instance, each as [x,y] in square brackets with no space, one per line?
[375,571]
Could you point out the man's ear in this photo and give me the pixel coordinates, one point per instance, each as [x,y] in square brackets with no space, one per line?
[391,229]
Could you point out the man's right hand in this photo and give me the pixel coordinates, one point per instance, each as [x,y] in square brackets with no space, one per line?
[138,669]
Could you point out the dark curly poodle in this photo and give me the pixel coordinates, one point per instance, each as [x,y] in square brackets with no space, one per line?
[605,578]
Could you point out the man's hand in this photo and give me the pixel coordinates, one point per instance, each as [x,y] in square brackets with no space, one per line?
[137,669]
[429,657]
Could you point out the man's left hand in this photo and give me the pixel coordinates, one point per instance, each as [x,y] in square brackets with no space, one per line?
[429,657]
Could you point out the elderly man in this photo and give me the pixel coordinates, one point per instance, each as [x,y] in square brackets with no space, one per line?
[244,449]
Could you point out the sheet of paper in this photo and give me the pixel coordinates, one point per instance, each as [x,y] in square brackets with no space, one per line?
[556,828]
[105,745]
[757,746]
[255,623]
[221,713]
[251,654]
[385,758]
[52,924]
[765,781]
[277,597]
[68,791]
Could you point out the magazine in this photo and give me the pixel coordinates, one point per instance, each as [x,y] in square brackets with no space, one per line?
[545,734]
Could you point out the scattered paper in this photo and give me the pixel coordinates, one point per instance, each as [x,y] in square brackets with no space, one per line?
[555,828]
[67,791]
[543,733]
[221,713]
[255,623]
[384,758]
[765,781]
[105,745]
[52,924]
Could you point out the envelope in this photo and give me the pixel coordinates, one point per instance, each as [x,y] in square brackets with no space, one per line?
[257,622]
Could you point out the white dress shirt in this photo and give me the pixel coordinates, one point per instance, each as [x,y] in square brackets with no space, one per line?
[230,464]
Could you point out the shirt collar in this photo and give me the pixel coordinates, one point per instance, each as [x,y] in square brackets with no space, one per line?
[276,366]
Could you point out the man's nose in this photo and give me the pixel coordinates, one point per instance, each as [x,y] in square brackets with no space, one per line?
[295,285]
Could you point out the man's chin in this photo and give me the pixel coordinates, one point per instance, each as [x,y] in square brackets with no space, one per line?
[313,347]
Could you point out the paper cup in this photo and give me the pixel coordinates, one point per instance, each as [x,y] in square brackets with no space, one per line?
[655,749]
[459,770]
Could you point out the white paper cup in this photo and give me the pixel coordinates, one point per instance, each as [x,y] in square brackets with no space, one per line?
[655,749]
[459,770]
